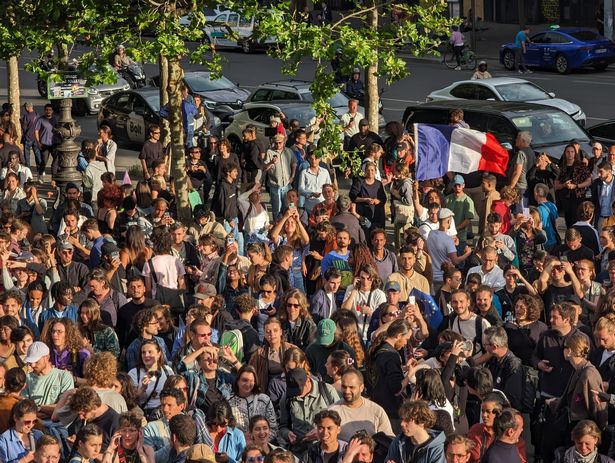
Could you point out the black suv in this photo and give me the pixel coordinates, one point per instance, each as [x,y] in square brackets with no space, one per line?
[551,128]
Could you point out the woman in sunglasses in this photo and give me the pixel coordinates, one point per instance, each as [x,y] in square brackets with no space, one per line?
[252,454]
[18,442]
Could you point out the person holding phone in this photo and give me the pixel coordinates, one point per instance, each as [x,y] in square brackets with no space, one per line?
[363,296]
[127,443]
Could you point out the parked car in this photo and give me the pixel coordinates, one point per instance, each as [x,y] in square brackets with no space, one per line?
[209,13]
[258,114]
[221,96]
[130,114]
[551,128]
[563,49]
[506,89]
[230,30]
[299,90]
[604,132]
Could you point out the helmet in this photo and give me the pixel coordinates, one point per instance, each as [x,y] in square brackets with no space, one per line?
[482,63]
[339,51]
[356,71]
[120,46]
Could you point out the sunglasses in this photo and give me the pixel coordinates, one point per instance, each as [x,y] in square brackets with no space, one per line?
[292,305]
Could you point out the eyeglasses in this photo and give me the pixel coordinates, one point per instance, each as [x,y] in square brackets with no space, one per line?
[258,459]
[288,304]
[391,314]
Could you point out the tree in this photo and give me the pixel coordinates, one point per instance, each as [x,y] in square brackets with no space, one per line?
[367,40]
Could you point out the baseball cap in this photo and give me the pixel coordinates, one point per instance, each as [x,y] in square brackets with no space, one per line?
[204,290]
[36,351]
[343,202]
[571,299]
[200,452]
[458,180]
[445,213]
[325,332]
[108,248]
[295,381]
[363,122]
[64,245]
[392,286]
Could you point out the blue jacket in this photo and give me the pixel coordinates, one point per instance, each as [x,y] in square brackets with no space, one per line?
[11,447]
[197,385]
[432,452]
[69,312]
[232,443]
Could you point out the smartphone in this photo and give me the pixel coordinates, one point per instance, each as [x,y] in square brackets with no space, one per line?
[167,214]
[291,206]
[230,240]
[115,255]
[563,259]
[468,346]
[411,300]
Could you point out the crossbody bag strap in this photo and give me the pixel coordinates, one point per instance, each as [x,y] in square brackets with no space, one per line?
[153,271]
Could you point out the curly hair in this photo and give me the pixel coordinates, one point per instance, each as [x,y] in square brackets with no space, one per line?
[100,369]
[417,411]
[110,196]
[85,399]
[534,306]
[162,242]
[74,340]
[350,335]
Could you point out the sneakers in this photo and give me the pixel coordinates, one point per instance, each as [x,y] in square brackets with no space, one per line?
[528,71]
[458,68]
[520,71]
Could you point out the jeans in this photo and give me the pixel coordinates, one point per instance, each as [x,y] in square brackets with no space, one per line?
[30,144]
[520,59]
[278,199]
[237,233]
[296,276]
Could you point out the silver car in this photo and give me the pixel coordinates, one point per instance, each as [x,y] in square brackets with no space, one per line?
[98,93]
[506,89]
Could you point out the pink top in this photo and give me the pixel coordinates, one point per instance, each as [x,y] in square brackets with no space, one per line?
[457,38]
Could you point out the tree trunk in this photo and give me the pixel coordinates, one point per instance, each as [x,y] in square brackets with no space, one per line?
[163,68]
[12,78]
[177,157]
[372,97]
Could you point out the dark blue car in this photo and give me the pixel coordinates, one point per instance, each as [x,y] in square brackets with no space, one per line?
[563,49]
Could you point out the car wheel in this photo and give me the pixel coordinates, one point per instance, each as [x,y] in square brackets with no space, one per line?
[509,60]
[246,46]
[561,64]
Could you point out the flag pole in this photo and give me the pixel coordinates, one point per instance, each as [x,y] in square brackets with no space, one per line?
[415,131]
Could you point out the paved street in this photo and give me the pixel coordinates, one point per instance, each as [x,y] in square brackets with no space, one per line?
[593,91]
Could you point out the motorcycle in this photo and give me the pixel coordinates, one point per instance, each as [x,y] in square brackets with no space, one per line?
[133,74]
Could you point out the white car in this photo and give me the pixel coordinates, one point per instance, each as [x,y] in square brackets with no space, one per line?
[210,15]
[230,30]
[506,89]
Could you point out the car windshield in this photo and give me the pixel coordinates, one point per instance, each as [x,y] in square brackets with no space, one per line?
[302,113]
[522,92]
[550,128]
[336,101]
[153,100]
[585,36]
[202,83]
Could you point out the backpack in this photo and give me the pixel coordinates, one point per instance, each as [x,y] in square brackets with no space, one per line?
[529,389]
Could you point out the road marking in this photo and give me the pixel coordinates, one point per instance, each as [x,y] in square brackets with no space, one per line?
[593,82]
[399,110]
[597,118]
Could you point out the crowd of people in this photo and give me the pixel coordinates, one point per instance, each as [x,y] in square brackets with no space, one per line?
[393,321]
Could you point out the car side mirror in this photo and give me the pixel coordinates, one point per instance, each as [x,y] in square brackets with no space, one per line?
[507,145]
[552,95]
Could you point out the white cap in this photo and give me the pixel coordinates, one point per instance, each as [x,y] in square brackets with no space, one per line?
[445,213]
[36,351]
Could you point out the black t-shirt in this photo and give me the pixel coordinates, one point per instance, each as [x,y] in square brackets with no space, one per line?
[213,394]
[573,256]
[197,177]
[553,295]
[151,152]
[125,316]
[108,422]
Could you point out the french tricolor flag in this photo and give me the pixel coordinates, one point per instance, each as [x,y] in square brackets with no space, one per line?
[444,148]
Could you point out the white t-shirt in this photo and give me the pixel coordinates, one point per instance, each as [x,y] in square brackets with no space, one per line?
[440,245]
[168,270]
[373,300]
[427,227]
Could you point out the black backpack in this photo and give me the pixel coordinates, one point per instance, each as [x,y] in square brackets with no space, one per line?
[529,389]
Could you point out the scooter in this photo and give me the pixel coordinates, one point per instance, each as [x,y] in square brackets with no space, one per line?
[133,74]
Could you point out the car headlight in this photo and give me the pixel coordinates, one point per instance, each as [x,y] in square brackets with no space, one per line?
[217,121]
[126,87]
[210,104]
[92,91]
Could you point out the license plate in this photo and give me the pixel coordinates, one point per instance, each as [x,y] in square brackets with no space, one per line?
[600,50]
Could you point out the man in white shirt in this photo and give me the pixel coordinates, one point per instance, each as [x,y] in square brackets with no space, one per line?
[350,121]
[491,274]
[311,181]
[432,223]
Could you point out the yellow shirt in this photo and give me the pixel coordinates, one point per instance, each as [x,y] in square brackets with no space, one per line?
[406,284]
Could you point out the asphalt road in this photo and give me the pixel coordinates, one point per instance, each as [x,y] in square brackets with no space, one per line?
[593,91]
